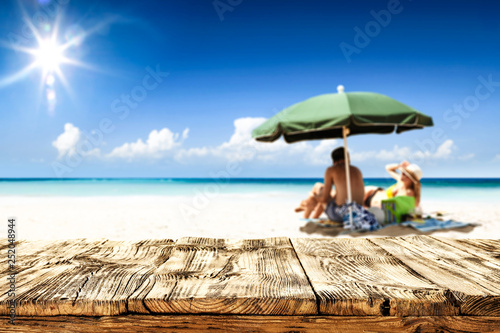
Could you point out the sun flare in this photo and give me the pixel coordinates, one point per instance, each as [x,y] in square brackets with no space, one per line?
[49,55]
[50,49]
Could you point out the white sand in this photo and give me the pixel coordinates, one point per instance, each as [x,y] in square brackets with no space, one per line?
[223,216]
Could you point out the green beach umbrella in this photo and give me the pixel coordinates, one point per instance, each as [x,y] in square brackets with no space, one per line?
[339,115]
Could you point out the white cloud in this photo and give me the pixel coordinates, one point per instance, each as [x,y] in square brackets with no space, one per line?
[320,155]
[466,157]
[73,141]
[156,145]
[242,147]
[444,151]
[243,130]
[66,142]
[395,154]
[197,152]
[497,158]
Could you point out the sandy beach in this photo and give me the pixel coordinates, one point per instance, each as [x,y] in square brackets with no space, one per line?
[223,216]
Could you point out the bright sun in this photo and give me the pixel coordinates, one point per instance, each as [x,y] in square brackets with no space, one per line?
[49,55]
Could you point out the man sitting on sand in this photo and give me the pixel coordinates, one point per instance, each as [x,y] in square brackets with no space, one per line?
[330,201]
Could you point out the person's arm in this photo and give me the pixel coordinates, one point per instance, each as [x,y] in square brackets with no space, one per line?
[417,191]
[391,169]
[328,187]
[318,210]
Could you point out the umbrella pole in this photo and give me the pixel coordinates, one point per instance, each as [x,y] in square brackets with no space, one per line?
[345,132]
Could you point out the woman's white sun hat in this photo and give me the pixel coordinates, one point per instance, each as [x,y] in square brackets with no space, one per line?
[413,172]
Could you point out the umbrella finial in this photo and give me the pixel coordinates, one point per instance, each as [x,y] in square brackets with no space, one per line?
[340,89]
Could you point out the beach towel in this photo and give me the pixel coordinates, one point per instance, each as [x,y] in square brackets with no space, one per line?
[435,224]
[426,225]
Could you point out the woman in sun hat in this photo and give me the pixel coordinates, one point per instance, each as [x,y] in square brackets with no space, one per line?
[408,183]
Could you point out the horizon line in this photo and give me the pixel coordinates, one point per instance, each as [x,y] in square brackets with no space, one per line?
[214,178]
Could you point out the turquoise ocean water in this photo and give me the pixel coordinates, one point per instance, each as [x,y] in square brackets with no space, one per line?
[446,189]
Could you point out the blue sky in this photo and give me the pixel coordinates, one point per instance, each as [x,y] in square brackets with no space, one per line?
[174,88]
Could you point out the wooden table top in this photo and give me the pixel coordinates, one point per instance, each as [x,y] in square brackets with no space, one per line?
[394,276]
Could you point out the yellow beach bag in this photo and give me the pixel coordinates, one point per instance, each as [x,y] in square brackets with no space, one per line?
[395,208]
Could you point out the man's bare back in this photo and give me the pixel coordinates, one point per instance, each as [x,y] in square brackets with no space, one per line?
[336,176]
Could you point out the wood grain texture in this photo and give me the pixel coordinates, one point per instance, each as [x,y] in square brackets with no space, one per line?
[358,278]
[398,277]
[81,277]
[241,324]
[404,276]
[485,250]
[470,282]
[220,276]
[192,275]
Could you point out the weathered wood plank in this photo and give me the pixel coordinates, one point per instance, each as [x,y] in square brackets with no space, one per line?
[205,275]
[411,276]
[194,275]
[356,277]
[126,268]
[42,263]
[471,283]
[488,250]
[83,277]
[44,252]
[237,324]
